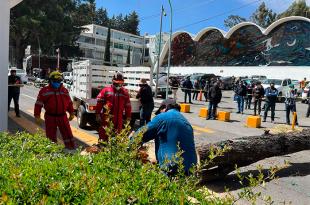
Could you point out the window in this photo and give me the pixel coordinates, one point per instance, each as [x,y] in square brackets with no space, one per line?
[284,83]
[100,42]
[89,40]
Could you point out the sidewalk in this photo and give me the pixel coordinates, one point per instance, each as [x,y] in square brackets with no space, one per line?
[26,124]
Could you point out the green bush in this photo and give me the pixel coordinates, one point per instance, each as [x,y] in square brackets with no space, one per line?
[35,171]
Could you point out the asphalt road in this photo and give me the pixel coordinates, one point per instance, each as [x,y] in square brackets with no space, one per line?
[293,184]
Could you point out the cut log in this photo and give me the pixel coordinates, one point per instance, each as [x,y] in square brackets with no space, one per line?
[247,150]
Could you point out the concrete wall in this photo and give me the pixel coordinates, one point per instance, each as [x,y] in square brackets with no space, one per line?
[4,60]
[278,72]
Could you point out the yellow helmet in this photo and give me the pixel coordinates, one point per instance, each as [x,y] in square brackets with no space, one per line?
[56,75]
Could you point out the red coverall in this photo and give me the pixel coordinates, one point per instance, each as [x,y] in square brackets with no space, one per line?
[56,103]
[117,102]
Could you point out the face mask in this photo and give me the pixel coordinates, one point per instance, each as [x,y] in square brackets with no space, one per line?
[55,85]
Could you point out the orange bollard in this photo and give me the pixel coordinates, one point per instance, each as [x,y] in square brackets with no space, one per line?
[200,96]
[294,120]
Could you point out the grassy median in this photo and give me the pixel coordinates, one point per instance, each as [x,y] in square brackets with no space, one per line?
[35,171]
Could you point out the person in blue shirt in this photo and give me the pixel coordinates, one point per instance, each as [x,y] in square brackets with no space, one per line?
[172,133]
[271,94]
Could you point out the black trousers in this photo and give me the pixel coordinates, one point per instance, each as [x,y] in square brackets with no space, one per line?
[272,107]
[308,112]
[290,108]
[248,101]
[15,97]
[257,105]
[189,93]
[146,113]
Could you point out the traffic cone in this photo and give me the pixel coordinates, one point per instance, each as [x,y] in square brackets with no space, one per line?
[200,95]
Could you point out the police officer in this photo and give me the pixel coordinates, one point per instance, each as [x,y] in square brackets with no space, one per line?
[271,94]
[14,91]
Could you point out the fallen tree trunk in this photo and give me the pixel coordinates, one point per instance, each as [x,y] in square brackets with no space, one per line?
[247,150]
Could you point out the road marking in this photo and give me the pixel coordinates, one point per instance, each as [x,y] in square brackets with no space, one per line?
[79,134]
[29,97]
[206,130]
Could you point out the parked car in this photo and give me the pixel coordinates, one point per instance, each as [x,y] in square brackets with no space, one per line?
[258,77]
[200,76]
[281,85]
[21,73]
[304,94]
[227,83]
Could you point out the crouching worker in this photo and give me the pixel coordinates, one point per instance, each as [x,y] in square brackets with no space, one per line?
[56,101]
[172,133]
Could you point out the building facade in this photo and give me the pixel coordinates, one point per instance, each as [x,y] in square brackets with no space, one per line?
[92,42]
[286,42]
[152,47]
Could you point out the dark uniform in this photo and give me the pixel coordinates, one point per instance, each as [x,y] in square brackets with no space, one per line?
[13,92]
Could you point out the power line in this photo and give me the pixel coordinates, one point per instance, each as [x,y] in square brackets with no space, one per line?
[178,10]
[218,15]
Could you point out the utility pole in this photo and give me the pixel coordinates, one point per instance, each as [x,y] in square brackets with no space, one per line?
[159,47]
[58,59]
[39,51]
[169,57]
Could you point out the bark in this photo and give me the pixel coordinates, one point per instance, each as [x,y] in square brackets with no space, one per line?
[247,150]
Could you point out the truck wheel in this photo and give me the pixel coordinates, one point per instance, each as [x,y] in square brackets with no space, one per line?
[81,117]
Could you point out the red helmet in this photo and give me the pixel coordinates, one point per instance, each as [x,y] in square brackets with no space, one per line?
[118,78]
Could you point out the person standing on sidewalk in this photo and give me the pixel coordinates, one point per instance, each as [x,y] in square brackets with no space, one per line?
[116,99]
[290,103]
[249,96]
[187,86]
[215,96]
[57,102]
[174,87]
[147,102]
[206,89]
[14,82]
[240,91]
[197,88]
[258,94]
[271,94]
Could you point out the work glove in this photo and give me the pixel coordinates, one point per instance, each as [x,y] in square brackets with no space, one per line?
[71,117]
[39,121]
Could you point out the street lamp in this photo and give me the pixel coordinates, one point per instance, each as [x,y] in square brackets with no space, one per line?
[163,13]
[169,57]
[38,39]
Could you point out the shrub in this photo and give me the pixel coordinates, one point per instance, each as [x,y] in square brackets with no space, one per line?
[34,170]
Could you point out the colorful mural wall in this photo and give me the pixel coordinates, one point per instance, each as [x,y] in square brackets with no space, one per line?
[287,44]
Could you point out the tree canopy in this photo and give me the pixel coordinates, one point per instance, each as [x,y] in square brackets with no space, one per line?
[263,16]
[52,24]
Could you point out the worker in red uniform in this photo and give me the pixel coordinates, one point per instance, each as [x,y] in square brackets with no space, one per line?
[56,101]
[116,99]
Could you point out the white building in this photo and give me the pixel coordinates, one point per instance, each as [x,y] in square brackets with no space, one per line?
[152,46]
[92,43]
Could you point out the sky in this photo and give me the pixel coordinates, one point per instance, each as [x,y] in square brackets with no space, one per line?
[187,13]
